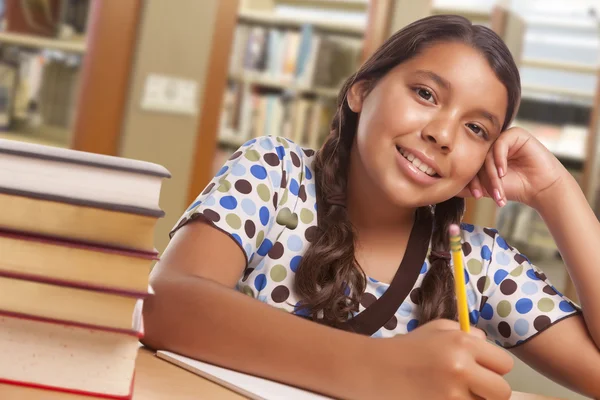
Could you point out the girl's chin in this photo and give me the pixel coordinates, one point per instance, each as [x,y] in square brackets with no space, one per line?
[404,201]
[407,202]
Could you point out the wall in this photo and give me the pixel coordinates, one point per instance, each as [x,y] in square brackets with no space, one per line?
[175,41]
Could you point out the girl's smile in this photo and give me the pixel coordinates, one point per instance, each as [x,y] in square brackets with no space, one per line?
[417,166]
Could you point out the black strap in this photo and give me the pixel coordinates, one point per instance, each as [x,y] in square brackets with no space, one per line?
[383,309]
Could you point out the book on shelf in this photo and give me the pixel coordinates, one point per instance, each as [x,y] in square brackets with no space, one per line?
[283,82]
[41,19]
[8,84]
[554,111]
[58,92]
[45,92]
[305,121]
[76,15]
[31,70]
[306,58]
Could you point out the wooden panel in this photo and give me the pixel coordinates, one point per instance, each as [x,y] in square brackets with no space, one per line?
[379,15]
[512,31]
[405,12]
[168,138]
[471,208]
[345,5]
[106,68]
[210,114]
[498,20]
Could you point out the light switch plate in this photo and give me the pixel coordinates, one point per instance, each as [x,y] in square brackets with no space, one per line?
[170,94]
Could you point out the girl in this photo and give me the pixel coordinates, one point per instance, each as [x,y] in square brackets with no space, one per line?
[351,241]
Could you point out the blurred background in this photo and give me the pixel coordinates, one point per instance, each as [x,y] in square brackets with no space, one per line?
[184,82]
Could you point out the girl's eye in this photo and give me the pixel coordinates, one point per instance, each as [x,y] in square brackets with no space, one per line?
[476,129]
[425,95]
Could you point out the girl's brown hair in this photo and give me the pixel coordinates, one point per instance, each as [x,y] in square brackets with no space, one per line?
[328,268]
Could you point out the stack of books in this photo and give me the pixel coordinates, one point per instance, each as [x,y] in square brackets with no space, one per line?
[76,249]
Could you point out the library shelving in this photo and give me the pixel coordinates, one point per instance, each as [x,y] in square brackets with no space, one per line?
[75,44]
[284,75]
[60,69]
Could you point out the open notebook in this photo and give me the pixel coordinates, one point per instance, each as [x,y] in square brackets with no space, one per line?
[250,386]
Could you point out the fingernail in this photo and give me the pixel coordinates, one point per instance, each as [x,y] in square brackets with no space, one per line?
[502,203]
[500,172]
[497,196]
[476,193]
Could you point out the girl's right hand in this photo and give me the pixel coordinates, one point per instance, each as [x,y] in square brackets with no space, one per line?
[439,361]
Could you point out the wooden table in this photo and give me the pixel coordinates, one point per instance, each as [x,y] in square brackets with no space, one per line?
[159,380]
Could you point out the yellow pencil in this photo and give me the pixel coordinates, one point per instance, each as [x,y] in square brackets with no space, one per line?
[459,278]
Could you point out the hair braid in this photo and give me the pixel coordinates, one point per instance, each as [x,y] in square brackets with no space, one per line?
[437,287]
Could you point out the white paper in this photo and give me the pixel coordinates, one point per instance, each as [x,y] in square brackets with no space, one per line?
[248,385]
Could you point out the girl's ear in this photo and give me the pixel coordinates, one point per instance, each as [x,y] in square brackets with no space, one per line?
[356,95]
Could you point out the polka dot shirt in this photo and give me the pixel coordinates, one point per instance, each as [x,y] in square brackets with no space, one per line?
[264,198]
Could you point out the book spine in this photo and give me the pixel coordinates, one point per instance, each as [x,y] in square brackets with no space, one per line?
[63,242]
[137,332]
[73,285]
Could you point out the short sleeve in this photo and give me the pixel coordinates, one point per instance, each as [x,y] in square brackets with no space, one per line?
[517,299]
[241,199]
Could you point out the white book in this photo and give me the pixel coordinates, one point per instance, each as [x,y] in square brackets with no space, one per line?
[253,387]
[277,116]
[307,78]
[79,177]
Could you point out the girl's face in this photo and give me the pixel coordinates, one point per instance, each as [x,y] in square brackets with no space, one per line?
[425,128]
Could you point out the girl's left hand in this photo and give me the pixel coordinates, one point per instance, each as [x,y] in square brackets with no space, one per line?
[517,167]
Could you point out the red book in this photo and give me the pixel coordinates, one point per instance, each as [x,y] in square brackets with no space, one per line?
[67,358]
[74,263]
[96,308]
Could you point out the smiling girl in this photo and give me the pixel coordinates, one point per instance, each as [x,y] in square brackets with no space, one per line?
[351,241]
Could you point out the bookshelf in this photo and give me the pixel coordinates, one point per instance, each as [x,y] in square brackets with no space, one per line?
[273,83]
[282,79]
[47,135]
[269,18]
[75,45]
[531,90]
[559,65]
[97,50]
[40,61]
[574,138]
